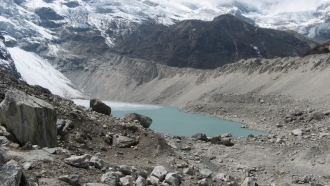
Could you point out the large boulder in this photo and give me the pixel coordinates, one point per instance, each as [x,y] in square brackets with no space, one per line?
[100,107]
[144,120]
[29,119]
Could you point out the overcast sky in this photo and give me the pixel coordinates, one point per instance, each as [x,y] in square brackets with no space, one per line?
[276,5]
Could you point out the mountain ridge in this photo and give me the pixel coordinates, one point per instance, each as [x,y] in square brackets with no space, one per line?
[210,44]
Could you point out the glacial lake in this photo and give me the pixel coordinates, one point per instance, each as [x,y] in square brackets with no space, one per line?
[169,120]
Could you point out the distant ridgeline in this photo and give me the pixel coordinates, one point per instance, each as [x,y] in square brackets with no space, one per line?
[210,44]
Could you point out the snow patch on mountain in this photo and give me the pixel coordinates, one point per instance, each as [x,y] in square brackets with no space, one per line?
[37,71]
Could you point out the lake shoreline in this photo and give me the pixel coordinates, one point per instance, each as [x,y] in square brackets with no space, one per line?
[173,121]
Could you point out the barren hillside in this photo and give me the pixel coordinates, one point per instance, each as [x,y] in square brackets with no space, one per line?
[126,79]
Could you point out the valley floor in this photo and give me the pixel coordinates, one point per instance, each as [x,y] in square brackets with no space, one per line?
[287,97]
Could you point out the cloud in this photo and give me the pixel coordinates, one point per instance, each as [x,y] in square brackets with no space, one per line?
[273,5]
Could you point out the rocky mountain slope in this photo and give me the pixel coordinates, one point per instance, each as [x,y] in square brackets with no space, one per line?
[207,45]
[323,48]
[6,61]
[124,78]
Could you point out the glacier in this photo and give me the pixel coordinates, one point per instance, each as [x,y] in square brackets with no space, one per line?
[37,71]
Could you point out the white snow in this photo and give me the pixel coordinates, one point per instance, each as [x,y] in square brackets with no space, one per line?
[37,71]
[9,38]
[44,33]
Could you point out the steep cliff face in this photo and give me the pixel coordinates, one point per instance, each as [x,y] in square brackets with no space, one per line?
[207,45]
[6,62]
[155,83]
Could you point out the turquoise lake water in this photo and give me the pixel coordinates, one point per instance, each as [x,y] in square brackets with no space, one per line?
[170,120]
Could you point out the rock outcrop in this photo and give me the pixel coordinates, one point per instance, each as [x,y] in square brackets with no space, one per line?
[100,107]
[6,62]
[29,119]
[144,120]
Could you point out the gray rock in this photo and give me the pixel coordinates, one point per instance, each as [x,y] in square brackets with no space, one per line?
[144,120]
[97,184]
[100,107]
[27,165]
[159,172]
[173,179]
[226,141]
[97,162]
[317,116]
[3,157]
[78,138]
[323,134]
[126,170]
[126,181]
[140,181]
[199,136]
[3,141]
[11,174]
[226,135]
[153,180]
[50,150]
[110,178]
[78,161]
[215,140]
[63,129]
[305,179]
[29,119]
[297,132]
[123,141]
[220,176]
[70,179]
[143,173]
[5,133]
[203,182]
[188,171]
[28,146]
[205,173]
[249,182]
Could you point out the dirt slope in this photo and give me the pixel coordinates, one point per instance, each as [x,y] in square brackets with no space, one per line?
[127,79]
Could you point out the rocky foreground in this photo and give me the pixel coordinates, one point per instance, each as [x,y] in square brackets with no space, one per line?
[48,140]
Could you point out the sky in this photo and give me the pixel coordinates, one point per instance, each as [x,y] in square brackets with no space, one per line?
[275,5]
